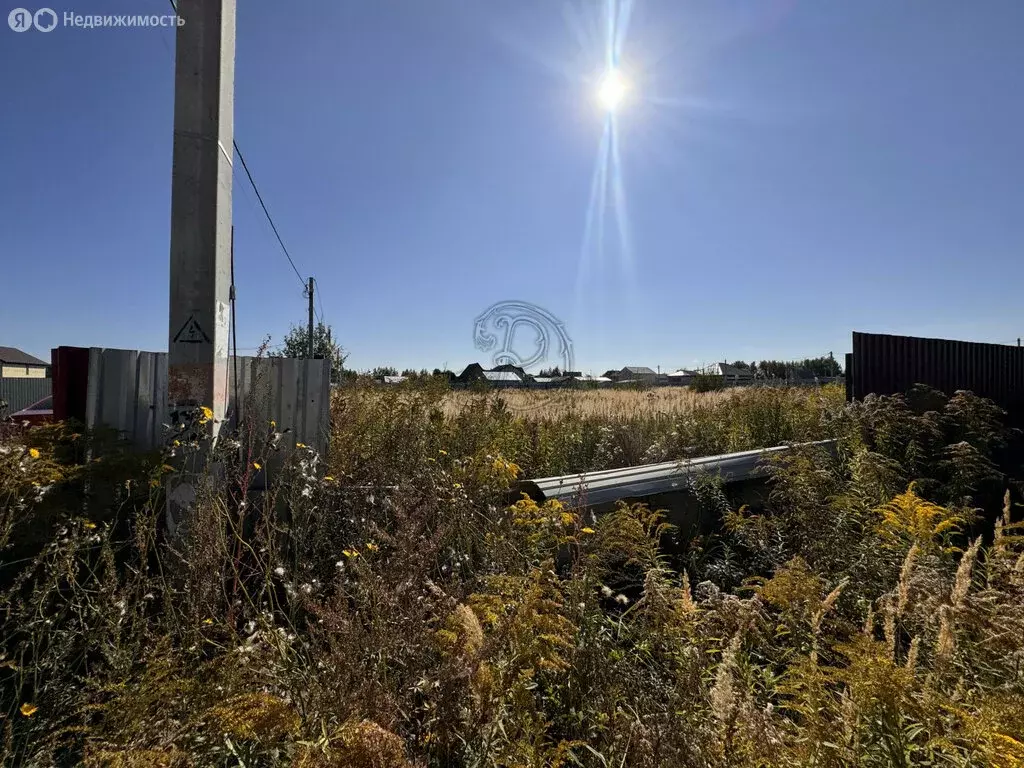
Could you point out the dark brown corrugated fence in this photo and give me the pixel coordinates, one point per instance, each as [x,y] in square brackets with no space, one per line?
[886,365]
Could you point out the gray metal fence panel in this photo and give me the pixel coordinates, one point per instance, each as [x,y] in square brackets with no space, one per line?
[128,392]
[21,393]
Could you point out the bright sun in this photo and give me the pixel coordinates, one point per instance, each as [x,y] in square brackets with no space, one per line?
[611,90]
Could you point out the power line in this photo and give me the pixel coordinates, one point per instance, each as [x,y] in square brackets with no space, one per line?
[259,197]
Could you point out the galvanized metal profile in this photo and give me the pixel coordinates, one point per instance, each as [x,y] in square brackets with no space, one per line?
[594,489]
[127,390]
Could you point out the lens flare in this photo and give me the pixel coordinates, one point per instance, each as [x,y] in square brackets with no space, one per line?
[612,90]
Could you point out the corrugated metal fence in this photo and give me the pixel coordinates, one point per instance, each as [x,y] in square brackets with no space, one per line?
[127,390]
[886,365]
[20,393]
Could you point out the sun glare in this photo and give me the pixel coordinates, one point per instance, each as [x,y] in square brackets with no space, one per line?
[611,90]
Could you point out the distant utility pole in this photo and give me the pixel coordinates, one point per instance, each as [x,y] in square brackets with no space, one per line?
[309,290]
[200,273]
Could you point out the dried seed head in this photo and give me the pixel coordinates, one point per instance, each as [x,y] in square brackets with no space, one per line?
[869,622]
[687,595]
[915,645]
[903,588]
[890,629]
[947,642]
[723,694]
[962,583]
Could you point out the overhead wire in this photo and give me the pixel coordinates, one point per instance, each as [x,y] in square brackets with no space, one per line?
[284,249]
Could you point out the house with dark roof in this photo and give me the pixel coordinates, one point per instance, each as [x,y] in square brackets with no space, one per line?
[15,364]
[634,373]
[501,376]
[732,375]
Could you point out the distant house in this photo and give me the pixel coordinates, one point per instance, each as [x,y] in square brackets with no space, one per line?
[731,375]
[15,364]
[471,373]
[680,378]
[634,373]
[502,376]
[509,368]
[548,382]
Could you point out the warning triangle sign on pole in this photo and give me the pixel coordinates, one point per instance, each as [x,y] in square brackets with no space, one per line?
[191,333]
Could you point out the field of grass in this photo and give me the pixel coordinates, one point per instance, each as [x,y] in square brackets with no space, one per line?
[608,403]
[385,607]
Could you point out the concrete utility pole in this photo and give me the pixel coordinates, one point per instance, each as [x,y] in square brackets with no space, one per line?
[204,89]
[310,292]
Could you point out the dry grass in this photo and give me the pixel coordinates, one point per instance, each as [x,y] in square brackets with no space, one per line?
[604,403]
[391,610]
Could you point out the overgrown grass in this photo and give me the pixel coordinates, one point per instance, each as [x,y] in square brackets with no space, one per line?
[390,609]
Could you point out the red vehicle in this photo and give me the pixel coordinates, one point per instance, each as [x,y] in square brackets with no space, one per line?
[35,414]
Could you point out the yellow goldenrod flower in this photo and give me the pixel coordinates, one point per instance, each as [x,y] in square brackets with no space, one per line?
[372,547]
[586,530]
[350,553]
[300,445]
[176,443]
[257,465]
[89,524]
[29,709]
[33,452]
[207,415]
[207,621]
[456,485]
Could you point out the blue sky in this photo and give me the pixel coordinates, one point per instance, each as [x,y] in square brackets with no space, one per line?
[789,171]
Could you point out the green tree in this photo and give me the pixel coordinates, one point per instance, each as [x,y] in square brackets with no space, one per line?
[296,344]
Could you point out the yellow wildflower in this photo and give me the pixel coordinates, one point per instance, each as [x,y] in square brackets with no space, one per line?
[257,465]
[273,424]
[456,485]
[176,443]
[167,468]
[154,483]
[372,547]
[207,415]
[33,452]
[300,445]
[28,709]
[328,479]
[350,553]
[443,452]
[89,524]
[207,622]
[586,530]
